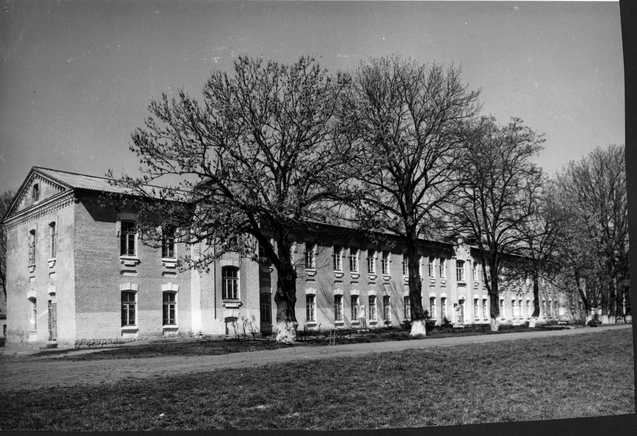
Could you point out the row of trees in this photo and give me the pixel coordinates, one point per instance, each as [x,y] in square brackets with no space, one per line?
[398,146]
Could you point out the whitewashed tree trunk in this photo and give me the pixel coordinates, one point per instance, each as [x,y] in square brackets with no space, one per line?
[532,322]
[418,328]
[286,332]
[495,324]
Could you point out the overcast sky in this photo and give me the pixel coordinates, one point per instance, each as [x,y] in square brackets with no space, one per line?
[76,77]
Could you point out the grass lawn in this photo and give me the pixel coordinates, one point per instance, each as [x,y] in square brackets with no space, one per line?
[215,346]
[546,378]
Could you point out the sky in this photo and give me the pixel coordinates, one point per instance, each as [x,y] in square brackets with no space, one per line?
[76,77]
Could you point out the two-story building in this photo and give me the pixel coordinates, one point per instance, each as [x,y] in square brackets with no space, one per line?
[79,274]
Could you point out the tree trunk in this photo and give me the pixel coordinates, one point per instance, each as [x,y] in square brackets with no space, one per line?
[536,301]
[587,308]
[418,319]
[285,296]
[495,304]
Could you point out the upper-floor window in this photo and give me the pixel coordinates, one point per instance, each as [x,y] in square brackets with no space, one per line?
[371,261]
[385,262]
[230,283]
[405,265]
[337,258]
[432,268]
[35,193]
[53,235]
[127,238]
[310,255]
[32,247]
[460,270]
[353,260]
[168,242]
[443,268]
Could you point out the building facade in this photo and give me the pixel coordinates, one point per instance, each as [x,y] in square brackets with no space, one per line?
[78,274]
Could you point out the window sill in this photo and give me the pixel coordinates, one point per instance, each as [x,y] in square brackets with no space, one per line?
[31,268]
[462,283]
[338,274]
[311,272]
[129,260]
[371,276]
[130,331]
[169,262]
[432,279]
[355,275]
[232,304]
[386,277]
[51,262]
[339,323]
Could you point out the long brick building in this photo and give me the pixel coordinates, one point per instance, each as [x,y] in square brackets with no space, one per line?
[78,274]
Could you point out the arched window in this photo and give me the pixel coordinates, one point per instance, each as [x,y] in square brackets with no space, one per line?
[35,194]
[230,283]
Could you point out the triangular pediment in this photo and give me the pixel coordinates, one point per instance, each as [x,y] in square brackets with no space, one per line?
[35,190]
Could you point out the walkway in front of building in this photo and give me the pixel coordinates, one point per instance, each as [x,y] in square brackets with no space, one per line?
[25,372]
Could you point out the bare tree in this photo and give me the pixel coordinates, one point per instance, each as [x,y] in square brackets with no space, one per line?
[499,192]
[251,164]
[540,237]
[595,192]
[403,119]
[6,198]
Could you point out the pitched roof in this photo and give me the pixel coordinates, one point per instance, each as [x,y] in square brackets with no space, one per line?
[82,181]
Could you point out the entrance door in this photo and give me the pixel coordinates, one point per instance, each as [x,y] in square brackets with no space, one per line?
[53,321]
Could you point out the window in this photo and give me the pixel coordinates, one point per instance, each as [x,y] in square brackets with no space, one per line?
[460,270]
[405,265]
[528,309]
[266,308]
[230,283]
[443,307]
[129,303]
[385,262]
[386,308]
[514,306]
[32,247]
[310,308]
[168,242]
[354,307]
[53,236]
[432,307]
[432,268]
[476,308]
[476,272]
[371,261]
[127,238]
[353,260]
[372,307]
[338,308]
[34,313]
[310,255]
[35,193]
[443,269]
[556,310]
[337,258]
[169,308]
[407,306]
[502,308]
[544,309]
[485,310]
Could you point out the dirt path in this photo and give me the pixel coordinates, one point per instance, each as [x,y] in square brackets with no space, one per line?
[28,372]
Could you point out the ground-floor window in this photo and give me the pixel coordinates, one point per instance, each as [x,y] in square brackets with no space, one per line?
[432,307]
[386,308]
[514,307]
[443,308]
[407,304]
[476,309]
[485,309]
[310,308]
[338,308]
[129,305]
[372,307]
[169,308]
[33,315]
[266,308]
[354,307]
[502,309]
